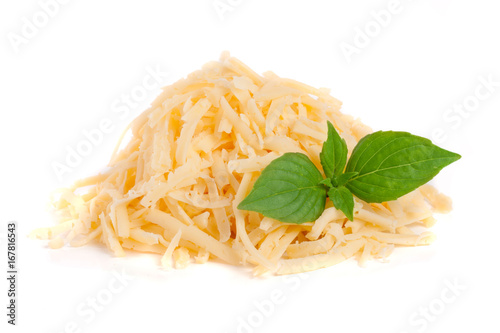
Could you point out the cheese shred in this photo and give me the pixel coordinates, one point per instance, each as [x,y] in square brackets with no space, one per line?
[195,154]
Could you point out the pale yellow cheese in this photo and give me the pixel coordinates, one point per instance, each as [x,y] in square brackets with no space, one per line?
[180,169]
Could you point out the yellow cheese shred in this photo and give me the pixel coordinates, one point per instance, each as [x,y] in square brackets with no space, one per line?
[194,155]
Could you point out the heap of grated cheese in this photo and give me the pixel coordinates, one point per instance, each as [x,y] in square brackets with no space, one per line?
[195,154]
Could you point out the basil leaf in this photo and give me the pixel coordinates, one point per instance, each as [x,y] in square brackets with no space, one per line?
[333,155]
[343,200]
[344,178]
[288,190]
[327,182]
[392,164]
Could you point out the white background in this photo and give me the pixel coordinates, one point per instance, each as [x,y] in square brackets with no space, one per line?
[65,78]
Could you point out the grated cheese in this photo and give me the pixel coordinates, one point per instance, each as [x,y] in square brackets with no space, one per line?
[173,188]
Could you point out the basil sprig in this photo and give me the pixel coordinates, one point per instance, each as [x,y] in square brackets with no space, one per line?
[383,166]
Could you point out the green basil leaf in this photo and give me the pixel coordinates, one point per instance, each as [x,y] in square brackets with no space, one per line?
[344,178]
[327,182]
[333,155]
[288,190]
[392,164]
[343,200]
[339,180]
